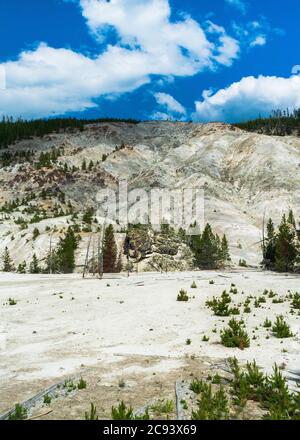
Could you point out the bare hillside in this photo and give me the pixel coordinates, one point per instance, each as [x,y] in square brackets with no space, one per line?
[245,176]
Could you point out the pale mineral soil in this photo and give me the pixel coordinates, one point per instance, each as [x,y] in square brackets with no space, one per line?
[130,332]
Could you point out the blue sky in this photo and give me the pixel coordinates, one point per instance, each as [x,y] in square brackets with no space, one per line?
[196,60]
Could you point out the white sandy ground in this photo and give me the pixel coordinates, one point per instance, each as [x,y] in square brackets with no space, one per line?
[62,323]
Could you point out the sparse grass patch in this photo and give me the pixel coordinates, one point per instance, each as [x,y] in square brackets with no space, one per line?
[163,407]
[92,414]
[69,386]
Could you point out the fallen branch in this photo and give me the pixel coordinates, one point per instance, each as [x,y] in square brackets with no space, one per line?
[40,415]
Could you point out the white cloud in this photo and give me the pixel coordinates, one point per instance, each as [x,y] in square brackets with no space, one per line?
[255,33]
[260,40]
[248,98]
[54,81]
[161,116]
[47,81]
[169,104]
[239,4]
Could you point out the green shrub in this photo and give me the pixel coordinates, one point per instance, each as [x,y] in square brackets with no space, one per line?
[20,413]
[235,335]
[81,384]
[194,285]
[267,323]
[272,294]
[281,329]
[69,386]
[296,301]
[246,385]
[183,296]
[220,307]
[35,234]
[271,392]
[243,263]
[197,386]
[216,380]
[163,407]
[47,399]
[92,415]
[211,406]
[278,301]
[124,413]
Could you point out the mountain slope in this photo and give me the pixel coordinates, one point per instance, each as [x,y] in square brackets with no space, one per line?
[244,175]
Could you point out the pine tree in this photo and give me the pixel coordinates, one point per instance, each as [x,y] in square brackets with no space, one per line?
[88,217]
[110,253]
[270,245]
[8,265]
[34,265]
[62,260]
[286,251]
[291,219]
[225,249]
[66,252]
[207,252]
[210,252]
[22,268]
[119,265]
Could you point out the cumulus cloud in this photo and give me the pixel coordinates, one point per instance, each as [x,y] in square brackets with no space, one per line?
[47,81]
[170,104]
[248,98]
